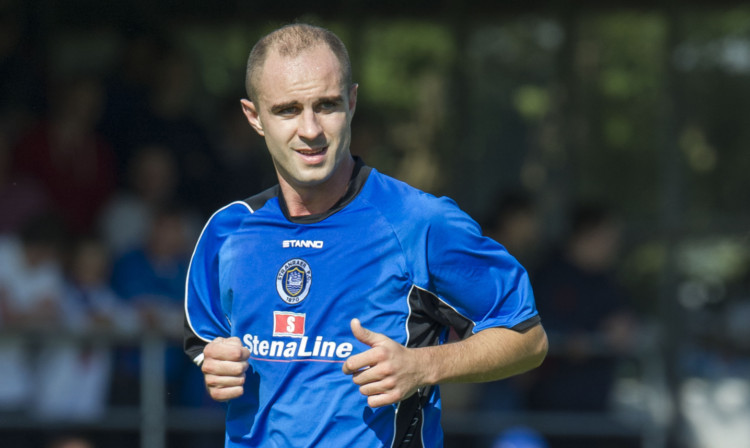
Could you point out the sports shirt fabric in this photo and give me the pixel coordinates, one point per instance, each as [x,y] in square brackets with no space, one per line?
[407,264]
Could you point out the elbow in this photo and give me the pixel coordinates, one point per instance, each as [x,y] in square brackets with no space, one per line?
[539,348]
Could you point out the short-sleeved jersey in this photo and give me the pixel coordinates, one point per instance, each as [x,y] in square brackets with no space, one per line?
[407,264]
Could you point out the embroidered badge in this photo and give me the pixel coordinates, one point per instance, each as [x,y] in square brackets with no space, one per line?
[293,281]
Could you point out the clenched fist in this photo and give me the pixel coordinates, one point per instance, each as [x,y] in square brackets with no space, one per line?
[224,366]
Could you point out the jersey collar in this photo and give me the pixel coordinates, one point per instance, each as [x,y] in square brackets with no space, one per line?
[356,182]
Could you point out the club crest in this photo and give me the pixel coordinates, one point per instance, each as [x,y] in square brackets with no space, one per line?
[293,281]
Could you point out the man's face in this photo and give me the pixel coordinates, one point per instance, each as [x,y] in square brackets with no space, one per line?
[304,111]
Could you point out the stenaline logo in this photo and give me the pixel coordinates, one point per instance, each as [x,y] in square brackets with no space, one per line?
[293,281]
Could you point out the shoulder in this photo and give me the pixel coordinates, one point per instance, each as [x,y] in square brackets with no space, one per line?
[401,201]
[220,226]
[227,218]
[258,201]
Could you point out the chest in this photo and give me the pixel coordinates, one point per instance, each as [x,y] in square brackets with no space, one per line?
[291,290]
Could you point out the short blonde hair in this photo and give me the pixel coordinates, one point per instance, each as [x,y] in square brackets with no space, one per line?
[290,41]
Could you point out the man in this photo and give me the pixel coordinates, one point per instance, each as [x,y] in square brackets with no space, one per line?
[318,308]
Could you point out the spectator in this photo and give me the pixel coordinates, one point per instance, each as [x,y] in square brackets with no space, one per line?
[21,197]
[67,156]
[73,383]
[152,183]
[127,91]
[514,223]
[587,315]
[170,123]
[31,276]
[152,279]
[30,293]
[90,303]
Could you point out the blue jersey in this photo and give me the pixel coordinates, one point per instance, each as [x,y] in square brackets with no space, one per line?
[407,264]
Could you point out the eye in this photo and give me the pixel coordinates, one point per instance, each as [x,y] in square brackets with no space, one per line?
[286,110]
[291,110]
[328,106]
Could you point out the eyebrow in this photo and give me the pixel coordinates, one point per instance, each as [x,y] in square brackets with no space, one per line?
[325,99]
[282,106]
[331,99]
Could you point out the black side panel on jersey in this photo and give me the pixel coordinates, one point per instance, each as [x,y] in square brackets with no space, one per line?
[430,317]
[409,420]
[428,320]
[192,344]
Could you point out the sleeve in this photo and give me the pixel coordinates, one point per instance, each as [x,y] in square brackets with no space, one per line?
[475,276]
[205,315]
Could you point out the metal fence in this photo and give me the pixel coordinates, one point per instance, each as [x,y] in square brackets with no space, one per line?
[153,420]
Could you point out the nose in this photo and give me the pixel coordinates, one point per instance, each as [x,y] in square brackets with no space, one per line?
[309,126]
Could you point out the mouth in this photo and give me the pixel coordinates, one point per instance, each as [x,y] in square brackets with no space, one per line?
[308,152]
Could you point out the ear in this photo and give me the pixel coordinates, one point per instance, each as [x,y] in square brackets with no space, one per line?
[353,99]
[251,113]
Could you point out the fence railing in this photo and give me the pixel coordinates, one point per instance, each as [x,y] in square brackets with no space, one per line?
[153,420]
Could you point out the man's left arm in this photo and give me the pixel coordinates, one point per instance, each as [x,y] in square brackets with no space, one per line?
[389,372]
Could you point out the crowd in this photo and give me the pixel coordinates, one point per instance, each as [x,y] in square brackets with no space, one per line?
[591,323]
[106,179]
[105,182]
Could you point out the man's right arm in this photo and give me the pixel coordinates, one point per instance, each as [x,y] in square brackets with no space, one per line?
[207,341]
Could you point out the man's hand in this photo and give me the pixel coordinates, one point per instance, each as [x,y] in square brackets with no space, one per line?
[386,373]
[224,366]
[389,372]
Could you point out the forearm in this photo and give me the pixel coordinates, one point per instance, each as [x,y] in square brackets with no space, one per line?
[489,355]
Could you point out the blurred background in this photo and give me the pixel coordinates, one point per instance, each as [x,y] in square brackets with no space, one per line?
[605,144]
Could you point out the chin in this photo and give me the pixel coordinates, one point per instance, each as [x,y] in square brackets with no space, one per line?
[312,179]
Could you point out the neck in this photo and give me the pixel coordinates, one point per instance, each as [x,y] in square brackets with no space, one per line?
[311,200]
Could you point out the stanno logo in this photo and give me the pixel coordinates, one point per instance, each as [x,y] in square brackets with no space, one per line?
[317,244]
